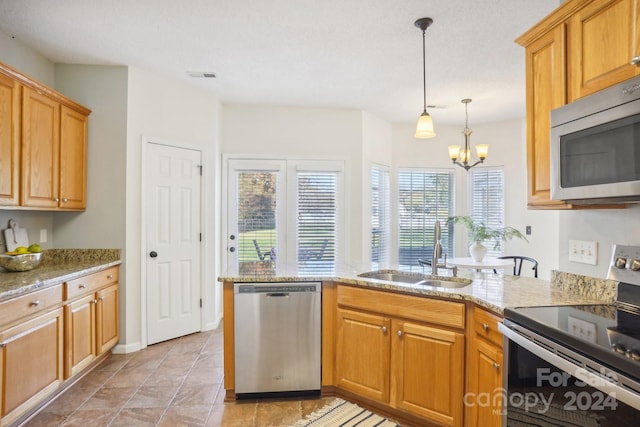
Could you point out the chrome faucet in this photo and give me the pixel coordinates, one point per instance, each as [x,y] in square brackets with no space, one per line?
[437,254]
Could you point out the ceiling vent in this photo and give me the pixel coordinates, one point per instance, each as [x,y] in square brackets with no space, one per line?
[205,74]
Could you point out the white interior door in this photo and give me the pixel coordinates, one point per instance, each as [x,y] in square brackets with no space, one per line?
[173,178]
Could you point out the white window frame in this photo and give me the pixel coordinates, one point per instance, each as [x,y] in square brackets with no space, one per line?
[381,214]
[487,204]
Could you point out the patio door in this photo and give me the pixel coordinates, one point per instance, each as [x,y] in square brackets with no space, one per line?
[284,211]
[255,200]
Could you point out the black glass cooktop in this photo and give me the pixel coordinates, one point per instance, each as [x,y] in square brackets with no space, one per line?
[603,332]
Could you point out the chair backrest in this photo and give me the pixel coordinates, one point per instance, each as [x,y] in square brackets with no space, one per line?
[517,263]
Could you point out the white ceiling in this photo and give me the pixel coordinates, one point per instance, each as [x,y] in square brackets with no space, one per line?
[362,54]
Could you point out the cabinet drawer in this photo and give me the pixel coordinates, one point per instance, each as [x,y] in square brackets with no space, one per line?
[485,325]
[31,303]
[89,283]
[446,313]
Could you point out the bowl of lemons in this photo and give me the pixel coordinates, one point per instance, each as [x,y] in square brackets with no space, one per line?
[22,258]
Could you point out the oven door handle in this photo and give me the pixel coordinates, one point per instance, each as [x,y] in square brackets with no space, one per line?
[593,380]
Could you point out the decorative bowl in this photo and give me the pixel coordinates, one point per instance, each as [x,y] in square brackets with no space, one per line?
[22,262]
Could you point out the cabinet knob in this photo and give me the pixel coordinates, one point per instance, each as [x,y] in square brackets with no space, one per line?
[65,200]
[635,60]
[485,326]
[384,329]
[56,199]
[35,303]
[95,301]
[496,365]
[110,276]
[82,286]
[101,299]
[399,333]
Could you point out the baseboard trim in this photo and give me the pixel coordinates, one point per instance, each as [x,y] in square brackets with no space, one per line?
[127,348]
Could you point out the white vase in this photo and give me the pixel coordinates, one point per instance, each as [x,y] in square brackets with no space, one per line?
[477,251]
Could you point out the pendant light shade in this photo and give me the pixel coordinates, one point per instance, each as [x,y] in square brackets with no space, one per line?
[424,128]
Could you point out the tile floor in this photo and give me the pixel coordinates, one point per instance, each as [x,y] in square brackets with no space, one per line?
[174,383]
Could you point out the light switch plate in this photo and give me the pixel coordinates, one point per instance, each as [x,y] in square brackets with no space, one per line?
[585,252]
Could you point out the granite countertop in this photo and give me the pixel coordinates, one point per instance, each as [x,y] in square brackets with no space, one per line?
[57,265]
[492,291]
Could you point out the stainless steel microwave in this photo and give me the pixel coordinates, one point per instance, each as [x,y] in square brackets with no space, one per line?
[595,147]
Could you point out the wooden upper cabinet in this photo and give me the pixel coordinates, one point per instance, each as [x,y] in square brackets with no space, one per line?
[9,141]
[604,37]
[581,47]
[73,159]
[43,146]
[40,150]
[546,83]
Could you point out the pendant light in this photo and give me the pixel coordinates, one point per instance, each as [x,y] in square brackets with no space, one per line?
[424,129]
[461,157]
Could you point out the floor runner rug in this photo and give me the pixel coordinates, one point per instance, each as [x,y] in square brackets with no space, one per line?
[341,413]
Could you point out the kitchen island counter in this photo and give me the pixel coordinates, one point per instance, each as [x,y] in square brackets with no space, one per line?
[58,265]
[492,291]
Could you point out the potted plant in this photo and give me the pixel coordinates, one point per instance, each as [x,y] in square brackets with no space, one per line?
[480,232]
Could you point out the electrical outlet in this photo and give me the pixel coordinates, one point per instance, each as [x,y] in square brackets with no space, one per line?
[585,252]
[582,329]
[43,235]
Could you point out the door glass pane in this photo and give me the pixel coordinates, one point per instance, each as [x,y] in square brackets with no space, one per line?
[257,218]
[317,222]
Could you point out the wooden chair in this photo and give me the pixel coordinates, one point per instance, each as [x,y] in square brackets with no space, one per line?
[517,264]
[260,254]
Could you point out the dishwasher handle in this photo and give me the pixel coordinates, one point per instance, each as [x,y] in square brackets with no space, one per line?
[277,294]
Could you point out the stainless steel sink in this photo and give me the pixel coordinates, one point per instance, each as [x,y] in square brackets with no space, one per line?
[393,276]
[415,279]
[458,283]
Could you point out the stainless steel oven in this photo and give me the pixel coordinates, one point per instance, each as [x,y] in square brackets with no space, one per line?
[576,365]
[595,147]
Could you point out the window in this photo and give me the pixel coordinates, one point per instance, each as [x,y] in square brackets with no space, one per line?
[487,202]
[424,198]
[317,223]
[380,217]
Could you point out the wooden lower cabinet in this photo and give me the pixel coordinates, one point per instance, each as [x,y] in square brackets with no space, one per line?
[408,365]
[365,336]
[91,320]
[31,363]
[427,371]
[483,399]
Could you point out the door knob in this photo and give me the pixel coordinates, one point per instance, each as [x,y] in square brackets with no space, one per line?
[232,237]
[153,254]
[232,249]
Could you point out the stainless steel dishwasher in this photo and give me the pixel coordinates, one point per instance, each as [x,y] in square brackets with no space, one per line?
[277,338]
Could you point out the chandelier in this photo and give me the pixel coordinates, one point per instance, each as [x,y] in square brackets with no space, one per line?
[462,156]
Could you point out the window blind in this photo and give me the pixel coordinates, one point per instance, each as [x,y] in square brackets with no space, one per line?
[424,198]
[317,222]
[380,217]
[487,202]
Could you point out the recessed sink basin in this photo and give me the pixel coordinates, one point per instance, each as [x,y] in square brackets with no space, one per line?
[393,277]
[459,283]
[416,279]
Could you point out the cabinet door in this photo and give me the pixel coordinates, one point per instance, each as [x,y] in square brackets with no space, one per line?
[73,159]
[80,334]
[545,75]
[31,362]
[40,150]
[107,318]
[428,372]
[484,396]
[9,141]
[604,36]
[362,354]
